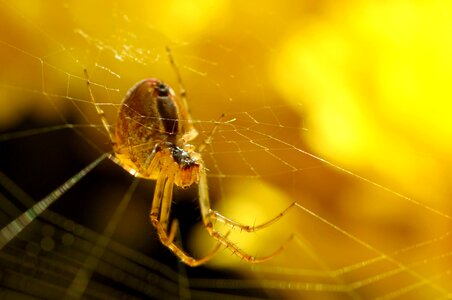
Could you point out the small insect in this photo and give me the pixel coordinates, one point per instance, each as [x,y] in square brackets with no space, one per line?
[151,139]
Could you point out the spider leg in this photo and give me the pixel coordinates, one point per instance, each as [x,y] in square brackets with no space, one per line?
[208,140]
[214,215]
[159,216]
[183,91]
[206,213]
[242,254]
[99,110]
[173,230]
[167,199]
[157,200]
[190,131]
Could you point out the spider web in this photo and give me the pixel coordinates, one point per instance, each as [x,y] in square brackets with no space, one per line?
[76,225]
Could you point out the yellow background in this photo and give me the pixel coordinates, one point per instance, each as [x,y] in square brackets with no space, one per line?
[364,85]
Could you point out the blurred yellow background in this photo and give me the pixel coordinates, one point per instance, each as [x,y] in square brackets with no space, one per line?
[364,85]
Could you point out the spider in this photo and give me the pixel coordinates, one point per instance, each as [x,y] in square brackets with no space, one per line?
[151,140]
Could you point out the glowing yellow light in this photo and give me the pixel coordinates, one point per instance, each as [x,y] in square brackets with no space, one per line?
[182,19]
[376,83]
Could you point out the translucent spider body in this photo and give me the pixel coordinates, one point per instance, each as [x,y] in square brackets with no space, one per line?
[151,140]
[151,117]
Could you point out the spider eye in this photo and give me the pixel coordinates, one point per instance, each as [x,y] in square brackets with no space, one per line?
[162,89]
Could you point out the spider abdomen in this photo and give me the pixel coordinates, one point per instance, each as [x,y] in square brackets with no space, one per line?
[149,112]
[151,117]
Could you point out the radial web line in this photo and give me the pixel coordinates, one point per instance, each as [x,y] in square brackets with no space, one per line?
[16,226]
